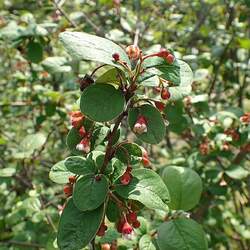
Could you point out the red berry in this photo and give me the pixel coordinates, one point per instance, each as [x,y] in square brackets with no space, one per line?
[105,246]
[160,105]
[131,217]
[136,224]
[170,58]
[127,229]
[165,94]
[163,53]
[72,179]
[116,57]
[82,131]
[119,224]
[125,178]
[133,52]
[68,188]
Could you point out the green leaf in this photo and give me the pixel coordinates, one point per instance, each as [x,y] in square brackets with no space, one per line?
[160,67]
[90,193]
[83,46]
[112,211]
[146,243]
[174,114]
[73,138]
[99,135]
[56,64]
[77,228]
[79,165]
[110,76]
[7,172]
[185,86]
[146,187]
[155,124]
[179,74]
[184,185]
[181,234]
[59,173]
[102,102]
[34,52]
[29,144]
[119,168]
[237,172]
[129,152]
[110,236]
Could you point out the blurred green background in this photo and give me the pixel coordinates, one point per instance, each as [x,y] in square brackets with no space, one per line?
[38,88]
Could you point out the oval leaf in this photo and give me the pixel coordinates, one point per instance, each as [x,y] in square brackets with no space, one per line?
[179,73]
[146,187]
[34,52]
[77,228]
[129,153]
[184,185]
[83,46]
[102,102]
[146,243]
[155,124]
[237,172]
[73,138]
[80,165]
[59,173]
[90,193]
[181,234]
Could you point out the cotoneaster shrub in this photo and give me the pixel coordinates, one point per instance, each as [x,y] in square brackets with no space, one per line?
[109,179]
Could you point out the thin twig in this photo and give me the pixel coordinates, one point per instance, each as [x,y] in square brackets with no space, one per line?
[19,243]
[64,13]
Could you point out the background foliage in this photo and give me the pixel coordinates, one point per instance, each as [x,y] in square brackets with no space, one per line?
[38,88]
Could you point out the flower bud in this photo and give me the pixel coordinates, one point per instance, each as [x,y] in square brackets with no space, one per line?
[140,126]
[245,119]
[82,131]
[84,145]
[145,158]
[127,229]
[165,94]
[76,118]
[119,224]
[116,57]
[125,178]
[68,189]
[102,229]
[136,224]
[170,58]
[133,52]
[131,217]
[72,179]
[160,106]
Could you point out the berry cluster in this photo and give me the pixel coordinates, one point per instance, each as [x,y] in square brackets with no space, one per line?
[76,119]
[68,188]
[127,223]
